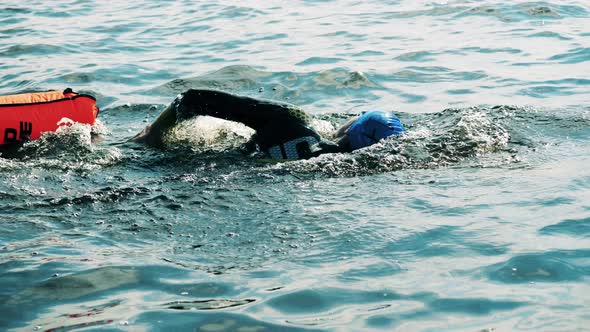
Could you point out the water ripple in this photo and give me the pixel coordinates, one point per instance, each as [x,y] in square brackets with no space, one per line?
[577,55]
[572,227]
[548,266]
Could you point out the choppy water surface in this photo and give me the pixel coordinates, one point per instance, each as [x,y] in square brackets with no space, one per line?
[477,219]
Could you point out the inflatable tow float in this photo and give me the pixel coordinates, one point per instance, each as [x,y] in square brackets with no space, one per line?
[26,116]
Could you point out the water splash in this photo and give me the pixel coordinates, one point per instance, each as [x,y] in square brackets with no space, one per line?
[206,133]
[432,140]
[70,147]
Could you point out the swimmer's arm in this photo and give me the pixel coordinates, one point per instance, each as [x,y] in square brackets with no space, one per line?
[254,113]
[153,134]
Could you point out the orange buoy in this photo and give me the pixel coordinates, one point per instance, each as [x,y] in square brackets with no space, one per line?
[26,116]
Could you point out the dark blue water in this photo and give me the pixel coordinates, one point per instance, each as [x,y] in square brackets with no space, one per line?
[477,220]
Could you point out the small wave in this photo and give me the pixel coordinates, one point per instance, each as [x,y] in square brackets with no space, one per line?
[429,74]
[524,11]
[550,34]
[326,300]
[304,88]
[548,266]
[77,285]
[572,227]
[318,60]
[14,10]
[214,304]
[577,55]
[35,49]
[421,56]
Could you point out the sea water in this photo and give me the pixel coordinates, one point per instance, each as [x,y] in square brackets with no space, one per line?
[478,219]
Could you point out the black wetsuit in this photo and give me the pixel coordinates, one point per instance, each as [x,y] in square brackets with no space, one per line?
[282,130]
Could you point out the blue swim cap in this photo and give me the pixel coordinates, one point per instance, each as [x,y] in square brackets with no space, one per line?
[373,126]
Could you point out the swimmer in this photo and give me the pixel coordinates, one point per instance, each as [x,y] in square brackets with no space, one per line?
[282,131]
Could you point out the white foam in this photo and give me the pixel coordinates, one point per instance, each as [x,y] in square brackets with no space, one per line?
[206,131]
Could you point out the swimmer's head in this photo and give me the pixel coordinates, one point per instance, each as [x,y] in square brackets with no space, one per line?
[371,127]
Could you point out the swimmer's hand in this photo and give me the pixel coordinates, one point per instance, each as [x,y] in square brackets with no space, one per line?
[140,137]
[153,134]
[147,137]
